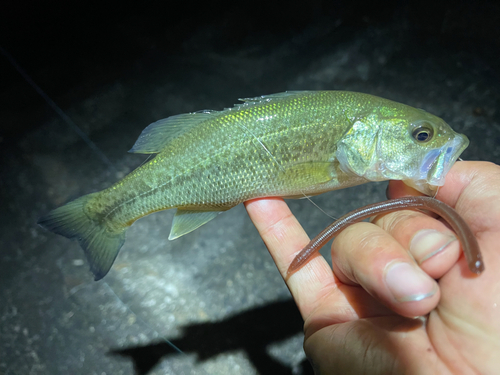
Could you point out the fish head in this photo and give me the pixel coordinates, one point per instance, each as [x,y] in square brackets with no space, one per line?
[406,144]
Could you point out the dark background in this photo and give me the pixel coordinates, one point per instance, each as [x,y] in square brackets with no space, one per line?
[115,67]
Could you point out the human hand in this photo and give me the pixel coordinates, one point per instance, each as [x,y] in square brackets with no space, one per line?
[358,318]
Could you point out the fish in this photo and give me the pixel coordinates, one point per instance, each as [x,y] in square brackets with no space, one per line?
[293,144]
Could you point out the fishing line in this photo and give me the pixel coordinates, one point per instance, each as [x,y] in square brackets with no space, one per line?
[59,111]
[103,158]
[167,341]
[436,193]
[77,288]
[437,189]
[283,169]
[147,159]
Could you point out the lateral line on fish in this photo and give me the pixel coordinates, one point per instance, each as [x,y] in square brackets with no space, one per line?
[283,169]
[165,183]
[150,191]
[59,111]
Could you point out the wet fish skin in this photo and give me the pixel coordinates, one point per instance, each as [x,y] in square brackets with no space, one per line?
[289,144]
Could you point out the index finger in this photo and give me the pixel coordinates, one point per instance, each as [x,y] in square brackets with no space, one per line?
[285,237]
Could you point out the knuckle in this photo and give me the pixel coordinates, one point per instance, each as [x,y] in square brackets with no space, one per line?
[401,221]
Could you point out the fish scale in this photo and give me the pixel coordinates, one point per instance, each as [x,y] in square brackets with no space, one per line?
[291,144]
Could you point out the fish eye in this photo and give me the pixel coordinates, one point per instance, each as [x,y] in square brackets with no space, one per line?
[423,133]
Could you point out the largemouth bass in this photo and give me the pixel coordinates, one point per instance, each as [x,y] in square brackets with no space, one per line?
[292,144]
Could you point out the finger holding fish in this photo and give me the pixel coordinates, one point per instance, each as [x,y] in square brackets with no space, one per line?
[366,259]
[396,259]
[314,287]
[357,308]
[360,285]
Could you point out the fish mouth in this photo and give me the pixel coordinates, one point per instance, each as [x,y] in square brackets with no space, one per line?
[436,165]
[438,162]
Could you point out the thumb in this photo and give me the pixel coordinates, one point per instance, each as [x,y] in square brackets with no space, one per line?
[472,188]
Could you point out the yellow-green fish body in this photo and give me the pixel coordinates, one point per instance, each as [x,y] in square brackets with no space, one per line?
[291,144]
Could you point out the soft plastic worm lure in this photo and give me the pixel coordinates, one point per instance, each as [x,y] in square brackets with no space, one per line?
[459,226]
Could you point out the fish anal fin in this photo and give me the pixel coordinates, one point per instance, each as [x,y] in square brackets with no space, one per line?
[186,221]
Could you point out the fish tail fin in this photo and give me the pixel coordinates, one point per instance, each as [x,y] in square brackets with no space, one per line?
[101,246]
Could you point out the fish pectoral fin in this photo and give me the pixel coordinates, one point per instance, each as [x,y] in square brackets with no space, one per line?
[186,221]
[311,173]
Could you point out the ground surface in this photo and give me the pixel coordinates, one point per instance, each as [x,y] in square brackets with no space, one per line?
[215,294]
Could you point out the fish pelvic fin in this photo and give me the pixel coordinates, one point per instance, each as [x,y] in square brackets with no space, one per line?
[186,221]
[101,246]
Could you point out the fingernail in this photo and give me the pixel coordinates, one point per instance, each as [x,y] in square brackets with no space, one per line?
[428,242]
[407,282]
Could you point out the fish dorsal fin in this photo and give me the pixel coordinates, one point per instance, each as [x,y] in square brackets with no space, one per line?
[249,102]
[186,221]
[158,134]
